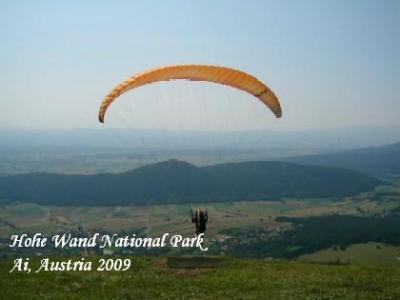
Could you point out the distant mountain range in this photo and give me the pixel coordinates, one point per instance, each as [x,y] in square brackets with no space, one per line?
[175,181]
[100,150]
[383,161]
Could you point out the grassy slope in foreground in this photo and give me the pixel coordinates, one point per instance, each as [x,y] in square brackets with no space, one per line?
[234,279]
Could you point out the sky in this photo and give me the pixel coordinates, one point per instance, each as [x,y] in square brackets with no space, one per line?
[331,63]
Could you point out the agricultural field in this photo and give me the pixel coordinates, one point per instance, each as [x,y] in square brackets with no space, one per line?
[175,218]
[367,254]
[300,229]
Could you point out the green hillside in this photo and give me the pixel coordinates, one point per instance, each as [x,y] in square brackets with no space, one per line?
[377,161]
[180,182]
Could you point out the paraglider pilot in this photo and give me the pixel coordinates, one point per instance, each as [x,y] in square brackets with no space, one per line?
[200,218]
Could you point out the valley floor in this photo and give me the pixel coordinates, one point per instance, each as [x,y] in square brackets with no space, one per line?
[157,219]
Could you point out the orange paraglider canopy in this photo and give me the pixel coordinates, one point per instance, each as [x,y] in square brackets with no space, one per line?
[222,75]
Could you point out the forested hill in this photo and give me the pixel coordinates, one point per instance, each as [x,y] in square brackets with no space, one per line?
[177,182]
[378,161]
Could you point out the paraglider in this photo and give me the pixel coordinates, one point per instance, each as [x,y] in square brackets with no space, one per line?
[211,73]
[200,219]
[205,73]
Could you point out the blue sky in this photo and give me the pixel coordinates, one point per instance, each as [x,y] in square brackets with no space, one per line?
[332,63]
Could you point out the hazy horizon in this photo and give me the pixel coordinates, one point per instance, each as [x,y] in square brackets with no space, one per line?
[325,138]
